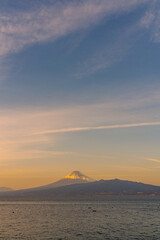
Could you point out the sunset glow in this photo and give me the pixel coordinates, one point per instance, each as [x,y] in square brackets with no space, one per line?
[79,90]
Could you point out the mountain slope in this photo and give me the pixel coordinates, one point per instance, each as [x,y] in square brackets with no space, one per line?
[100,188]
[73,178]
[5,189]
[105,187]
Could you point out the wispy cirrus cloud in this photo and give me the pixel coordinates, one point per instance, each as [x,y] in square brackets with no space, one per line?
[151,21]
[48,23]
[27,133]
[111,53]
[78,129]
[153,160]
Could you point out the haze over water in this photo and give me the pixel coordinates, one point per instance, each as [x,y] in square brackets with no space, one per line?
[112,218]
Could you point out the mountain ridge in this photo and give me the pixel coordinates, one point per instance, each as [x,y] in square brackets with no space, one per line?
[5,189]
[74,177]
[78,184]
[114,187]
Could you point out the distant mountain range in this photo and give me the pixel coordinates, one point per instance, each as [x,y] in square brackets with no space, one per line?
[74,178]
[5,189]
[77,184]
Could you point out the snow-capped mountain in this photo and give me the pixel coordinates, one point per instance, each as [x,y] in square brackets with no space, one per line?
[73,178]
[101,188]
[78,175]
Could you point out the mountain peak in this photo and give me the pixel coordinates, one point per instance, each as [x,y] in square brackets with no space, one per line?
[78,175]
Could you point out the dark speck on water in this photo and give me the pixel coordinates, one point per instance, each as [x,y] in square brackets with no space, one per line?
[116,218]
[78,234]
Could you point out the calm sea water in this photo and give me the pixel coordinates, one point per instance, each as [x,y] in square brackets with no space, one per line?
[108,218]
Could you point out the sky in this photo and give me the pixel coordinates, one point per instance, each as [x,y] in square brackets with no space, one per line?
[79,90]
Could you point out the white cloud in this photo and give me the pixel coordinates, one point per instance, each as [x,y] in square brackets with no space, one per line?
[78,129]
[151,21]
[26,133]
[147,20]
[48,23]
[110,53]
[153,160]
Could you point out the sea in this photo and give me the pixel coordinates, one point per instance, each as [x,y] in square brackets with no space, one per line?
[112,218]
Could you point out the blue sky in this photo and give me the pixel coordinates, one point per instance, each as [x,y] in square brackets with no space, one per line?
[69,68]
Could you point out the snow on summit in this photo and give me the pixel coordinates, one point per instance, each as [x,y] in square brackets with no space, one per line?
[79,175]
